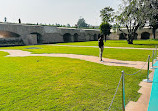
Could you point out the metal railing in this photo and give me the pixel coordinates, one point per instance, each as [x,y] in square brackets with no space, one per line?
[154,57]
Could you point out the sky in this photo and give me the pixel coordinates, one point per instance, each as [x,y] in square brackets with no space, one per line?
[54,11]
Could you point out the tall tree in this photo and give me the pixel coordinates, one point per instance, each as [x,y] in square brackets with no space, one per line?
[154,25]
[82,23]
[134,15]
[107,14]
[105,29]
[153,20]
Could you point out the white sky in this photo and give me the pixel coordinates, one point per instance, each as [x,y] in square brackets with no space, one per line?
[54,11]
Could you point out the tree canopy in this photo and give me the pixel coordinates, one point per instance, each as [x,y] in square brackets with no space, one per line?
[135,14]
[105,29]
[81,23]
[107,14]
[153,20]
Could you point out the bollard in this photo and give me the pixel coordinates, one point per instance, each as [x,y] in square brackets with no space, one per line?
[123,92]
[147,80]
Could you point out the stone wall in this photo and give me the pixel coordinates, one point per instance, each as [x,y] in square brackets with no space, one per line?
[30,39]
[53,35]
[52,38]
[140,34]
[34,34]
[11,41]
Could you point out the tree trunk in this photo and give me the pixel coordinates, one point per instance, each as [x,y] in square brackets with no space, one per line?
[153,31]
[130,42]
[130,39]
[105,37]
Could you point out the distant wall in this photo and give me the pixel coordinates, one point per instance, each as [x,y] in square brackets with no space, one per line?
[35,34]
[145,33]
[53,34]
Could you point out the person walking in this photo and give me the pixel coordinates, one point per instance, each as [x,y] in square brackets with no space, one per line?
[101,46]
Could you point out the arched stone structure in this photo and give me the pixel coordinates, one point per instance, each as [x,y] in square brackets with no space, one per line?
[67,37]
[10,38]
[95,37]
[8,34]
[88,36]
[145,35]
[136,36]
[37,36]
[122,36]
[140,33]
[75,37]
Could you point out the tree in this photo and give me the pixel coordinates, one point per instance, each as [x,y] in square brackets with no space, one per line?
[154,25]
[81,23]
[107,14]
[153,20]
[134,15]
[105,29]
[115,27]
[68,25]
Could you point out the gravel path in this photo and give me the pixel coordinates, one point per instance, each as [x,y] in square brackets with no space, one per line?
[143,101]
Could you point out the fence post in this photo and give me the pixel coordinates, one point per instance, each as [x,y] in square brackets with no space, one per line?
[147,80]
[123,92]
[156,53]
[148,66]
[152,60]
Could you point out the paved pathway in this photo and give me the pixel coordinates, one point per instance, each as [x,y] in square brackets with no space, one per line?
[143,101]
[110,62]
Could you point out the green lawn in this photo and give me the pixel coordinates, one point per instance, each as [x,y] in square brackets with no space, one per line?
[118,43]
[120,54]
[55,84]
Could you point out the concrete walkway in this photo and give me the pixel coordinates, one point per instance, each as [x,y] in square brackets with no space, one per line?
[109,62]
[143,101]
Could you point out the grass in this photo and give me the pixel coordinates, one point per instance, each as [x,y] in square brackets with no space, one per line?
[47,83]
[120,54]
[118,43]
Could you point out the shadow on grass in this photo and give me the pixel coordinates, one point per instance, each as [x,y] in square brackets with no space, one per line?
[146,44]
